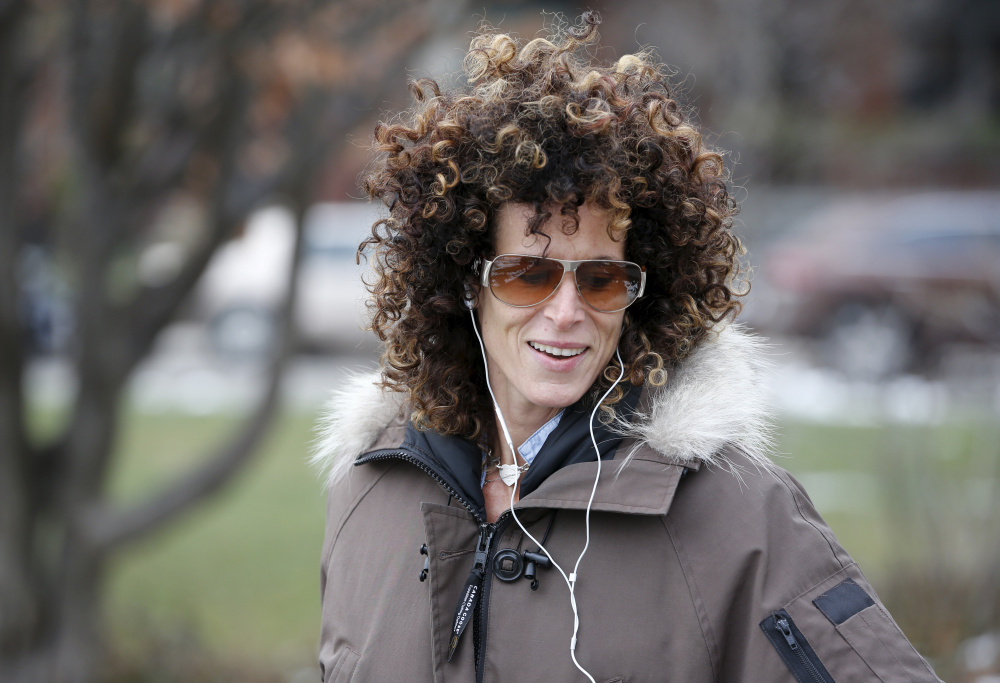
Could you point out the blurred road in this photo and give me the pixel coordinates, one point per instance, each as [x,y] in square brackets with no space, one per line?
[183,375]
[968,386]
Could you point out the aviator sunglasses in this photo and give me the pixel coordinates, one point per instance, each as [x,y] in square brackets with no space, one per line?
[522,281]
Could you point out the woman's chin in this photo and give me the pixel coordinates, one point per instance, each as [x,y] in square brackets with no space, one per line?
[556,394]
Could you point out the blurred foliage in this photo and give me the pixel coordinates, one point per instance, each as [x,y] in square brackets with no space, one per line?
[942,502]
[852,93]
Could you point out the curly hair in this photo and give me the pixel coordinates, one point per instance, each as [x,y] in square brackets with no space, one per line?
[541,124]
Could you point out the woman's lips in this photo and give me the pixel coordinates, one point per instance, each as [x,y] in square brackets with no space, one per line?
[561,363]
[557,350]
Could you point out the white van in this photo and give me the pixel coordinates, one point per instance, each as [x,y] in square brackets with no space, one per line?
[246,280]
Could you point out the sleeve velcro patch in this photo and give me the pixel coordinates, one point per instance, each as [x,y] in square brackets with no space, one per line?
[843,601]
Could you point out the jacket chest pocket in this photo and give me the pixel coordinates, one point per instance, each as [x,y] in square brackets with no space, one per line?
[842,633]
[341,668]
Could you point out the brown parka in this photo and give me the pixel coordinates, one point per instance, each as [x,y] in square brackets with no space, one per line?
[706,561]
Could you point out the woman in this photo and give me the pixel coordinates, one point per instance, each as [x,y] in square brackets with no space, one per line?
[564,400]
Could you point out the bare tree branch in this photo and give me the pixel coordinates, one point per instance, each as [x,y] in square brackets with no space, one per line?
[108,77]
[315,128]
[111,528]
[11,333]
[154,307]
[113,336]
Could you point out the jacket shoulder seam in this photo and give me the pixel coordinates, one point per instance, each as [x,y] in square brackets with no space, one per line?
[834,547]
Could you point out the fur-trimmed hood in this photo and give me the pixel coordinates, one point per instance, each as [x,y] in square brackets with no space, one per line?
[714,399]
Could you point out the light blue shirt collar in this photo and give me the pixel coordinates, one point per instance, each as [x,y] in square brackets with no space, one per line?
[529,449]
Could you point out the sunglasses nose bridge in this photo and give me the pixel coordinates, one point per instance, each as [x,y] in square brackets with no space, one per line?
[565,308]
[570,267]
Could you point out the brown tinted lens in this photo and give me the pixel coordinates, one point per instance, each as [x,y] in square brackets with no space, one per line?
[608,285]
[524,280]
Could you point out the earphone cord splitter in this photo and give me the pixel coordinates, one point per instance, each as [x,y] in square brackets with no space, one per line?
[571,578]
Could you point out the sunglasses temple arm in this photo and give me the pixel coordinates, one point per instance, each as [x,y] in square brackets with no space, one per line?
[482,267]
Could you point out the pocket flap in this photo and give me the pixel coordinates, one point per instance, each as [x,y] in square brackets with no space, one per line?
[874,635]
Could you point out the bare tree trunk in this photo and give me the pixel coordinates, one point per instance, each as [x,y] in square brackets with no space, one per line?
[19,606]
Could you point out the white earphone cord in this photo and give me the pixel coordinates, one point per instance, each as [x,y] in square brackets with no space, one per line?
[571,579]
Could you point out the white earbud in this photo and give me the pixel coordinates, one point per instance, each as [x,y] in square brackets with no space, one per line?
[571,578]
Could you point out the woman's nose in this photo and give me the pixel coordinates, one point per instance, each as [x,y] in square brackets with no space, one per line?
[565,307]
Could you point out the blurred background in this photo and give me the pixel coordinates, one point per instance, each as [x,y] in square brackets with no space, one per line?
[180,212]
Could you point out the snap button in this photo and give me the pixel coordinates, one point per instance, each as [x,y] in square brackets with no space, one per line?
[508,565]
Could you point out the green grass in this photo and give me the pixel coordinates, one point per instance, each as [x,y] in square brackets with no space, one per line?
[240,574]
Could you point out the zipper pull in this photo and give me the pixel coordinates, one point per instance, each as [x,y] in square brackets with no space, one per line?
[473,587]
[782,625]
[483,547]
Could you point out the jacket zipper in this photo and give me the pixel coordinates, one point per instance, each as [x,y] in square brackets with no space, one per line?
[794,645]
[487,533]
[403,455]
[496,530]
[782,633]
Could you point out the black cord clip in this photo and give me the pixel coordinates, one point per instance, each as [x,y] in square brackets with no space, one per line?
[534,560]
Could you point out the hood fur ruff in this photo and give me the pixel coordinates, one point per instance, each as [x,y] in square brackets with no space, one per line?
[715,399]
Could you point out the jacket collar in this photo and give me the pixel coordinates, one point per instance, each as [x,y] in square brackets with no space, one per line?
[713,401]
[457,463]
[645,487]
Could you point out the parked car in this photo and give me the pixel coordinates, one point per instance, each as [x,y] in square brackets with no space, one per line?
[885,284]
[246,280]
